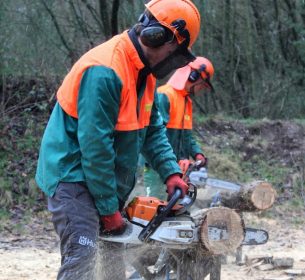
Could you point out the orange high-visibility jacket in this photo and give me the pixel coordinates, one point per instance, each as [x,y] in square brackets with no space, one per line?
[112,54]
[181,108]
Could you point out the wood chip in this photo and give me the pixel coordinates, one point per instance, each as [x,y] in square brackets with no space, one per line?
[296,272]
[257,258]
[278,278]
[265,267]
[257,264]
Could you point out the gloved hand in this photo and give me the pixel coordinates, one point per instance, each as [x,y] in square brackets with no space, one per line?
[201,160]
[113,224]
[184,165]
[174,181]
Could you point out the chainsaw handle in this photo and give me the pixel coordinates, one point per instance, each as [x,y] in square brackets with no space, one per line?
[159,218]
[188,200]
[174,199]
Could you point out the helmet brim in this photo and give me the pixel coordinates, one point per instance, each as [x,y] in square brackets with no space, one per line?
[179,78]
[209,85]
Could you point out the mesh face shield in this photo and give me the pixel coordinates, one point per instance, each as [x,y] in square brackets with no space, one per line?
[177,59]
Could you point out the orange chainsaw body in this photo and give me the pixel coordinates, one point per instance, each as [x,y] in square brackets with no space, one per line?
[143,208]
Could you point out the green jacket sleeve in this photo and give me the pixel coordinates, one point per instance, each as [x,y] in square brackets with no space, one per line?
[98,107]
[164,107]
[156,148]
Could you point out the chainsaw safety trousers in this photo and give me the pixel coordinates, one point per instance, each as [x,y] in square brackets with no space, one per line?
[100,124]
[76,221]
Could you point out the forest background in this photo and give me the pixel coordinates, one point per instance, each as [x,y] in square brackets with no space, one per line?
[257,48]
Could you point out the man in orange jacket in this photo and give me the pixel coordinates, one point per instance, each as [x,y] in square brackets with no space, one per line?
[176,108]
[105,116]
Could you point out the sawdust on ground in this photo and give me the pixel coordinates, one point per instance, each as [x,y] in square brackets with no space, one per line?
[35,255]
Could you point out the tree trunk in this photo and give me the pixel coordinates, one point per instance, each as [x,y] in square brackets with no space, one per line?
[114,17]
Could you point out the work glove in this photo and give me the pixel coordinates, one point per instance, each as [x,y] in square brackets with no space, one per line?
[173,182]
[201,160]
[184,165]
[113,224]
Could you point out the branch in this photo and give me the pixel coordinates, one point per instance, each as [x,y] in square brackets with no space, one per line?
[81,23]
[56,24]
[94,14]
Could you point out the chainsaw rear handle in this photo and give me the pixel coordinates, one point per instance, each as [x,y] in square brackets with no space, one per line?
[159,218]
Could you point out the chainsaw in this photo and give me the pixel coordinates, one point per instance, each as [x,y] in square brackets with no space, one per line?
[169,224]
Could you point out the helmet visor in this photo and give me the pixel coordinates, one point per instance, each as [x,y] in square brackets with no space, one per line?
[179,58]
[208,85]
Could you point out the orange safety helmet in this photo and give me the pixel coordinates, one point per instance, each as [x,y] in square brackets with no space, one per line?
[169,11]
[201,66]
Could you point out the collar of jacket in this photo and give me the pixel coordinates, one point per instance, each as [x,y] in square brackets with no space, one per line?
[183,92]
[138,54]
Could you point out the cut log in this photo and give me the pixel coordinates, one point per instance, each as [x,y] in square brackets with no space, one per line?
[283,262]
[221,230]
[254,196]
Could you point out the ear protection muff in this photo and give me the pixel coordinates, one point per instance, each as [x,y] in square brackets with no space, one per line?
[196,73]
[154,34]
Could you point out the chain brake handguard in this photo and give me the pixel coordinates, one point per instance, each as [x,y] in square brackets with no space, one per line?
[159,218]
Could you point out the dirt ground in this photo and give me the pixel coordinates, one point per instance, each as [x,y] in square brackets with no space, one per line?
[34,255]
[31,251]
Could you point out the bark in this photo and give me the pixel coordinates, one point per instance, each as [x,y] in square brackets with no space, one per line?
[224,219]
[255,196]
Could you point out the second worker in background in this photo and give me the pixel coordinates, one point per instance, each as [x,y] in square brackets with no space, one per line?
[176,108]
